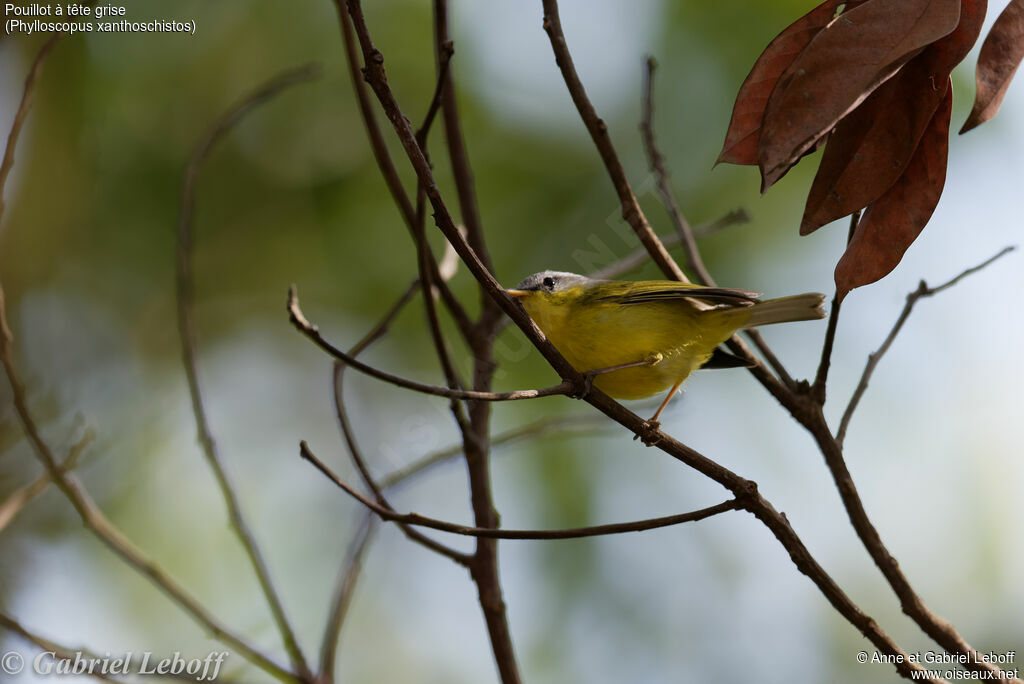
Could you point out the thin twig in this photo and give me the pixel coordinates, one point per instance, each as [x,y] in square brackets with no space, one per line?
[351,568]
[663,183]
[424,255]
[912,298]
[357,458]
[388,513]
[640,256]
[348,573]
[730,219]
[479,337]
[944,633]
[386,165]
[657,164]
[19,116]
[21,497]
[300,322]
[458,156]
[570,425]
[476,432]
[444,60]
[384,325]
[598,130]
[817,389]
[187,332]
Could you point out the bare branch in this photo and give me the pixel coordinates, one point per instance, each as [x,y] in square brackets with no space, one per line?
[598,130]
[944,633]
[922,291]
[299,320]
[357,457]
[424,255]
[350,568]
[465,190]
[817,390]
[386,165]
[19,116]
[746,492]
[86,508]
[21,497]
[476,430]
[730,219]
[347,578]
[388,513]
[939,629]
[384,325]
[187,332]
[444,61]
[657,165]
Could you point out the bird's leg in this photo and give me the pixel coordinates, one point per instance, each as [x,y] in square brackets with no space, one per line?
[649,439]
[588,376]
[654,418]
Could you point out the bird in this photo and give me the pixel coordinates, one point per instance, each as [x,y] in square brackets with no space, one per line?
[634,339]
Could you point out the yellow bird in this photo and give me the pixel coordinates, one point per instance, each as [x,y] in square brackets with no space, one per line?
[637,338]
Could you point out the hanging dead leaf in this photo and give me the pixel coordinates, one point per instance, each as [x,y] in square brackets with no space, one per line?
[870,147]
[840,68]
[744,128]
[1001,54]
[893,222]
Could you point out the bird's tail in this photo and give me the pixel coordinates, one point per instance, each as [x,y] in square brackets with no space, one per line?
[801,307]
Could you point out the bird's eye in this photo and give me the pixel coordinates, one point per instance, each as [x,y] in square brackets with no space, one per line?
[548,283]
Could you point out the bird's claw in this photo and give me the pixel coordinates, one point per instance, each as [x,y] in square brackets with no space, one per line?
[587,385]
[649,433]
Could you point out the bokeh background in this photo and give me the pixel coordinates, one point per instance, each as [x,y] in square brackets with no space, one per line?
[293,195]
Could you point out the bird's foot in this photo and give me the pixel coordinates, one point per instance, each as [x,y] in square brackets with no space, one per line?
[582,389]
[649,434]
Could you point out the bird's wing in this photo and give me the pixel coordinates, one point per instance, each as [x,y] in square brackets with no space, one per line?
[667,290]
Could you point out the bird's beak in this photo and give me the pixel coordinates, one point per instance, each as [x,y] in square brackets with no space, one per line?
[518,294]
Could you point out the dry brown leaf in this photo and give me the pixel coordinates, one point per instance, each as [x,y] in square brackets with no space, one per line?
[893,222]
[840,68]
[871,147]
[1001,54]
[741,138]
